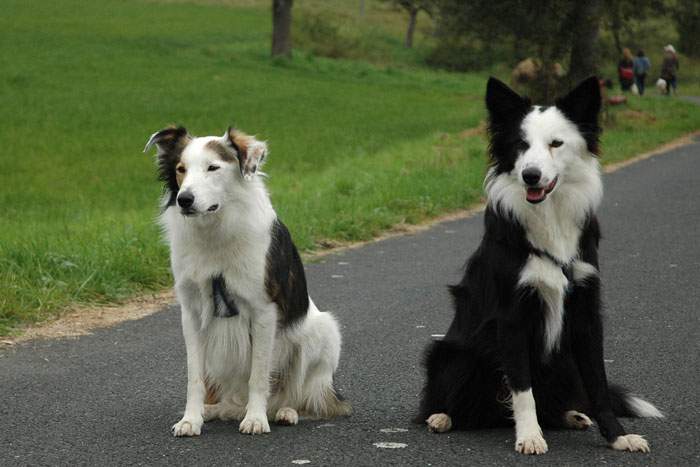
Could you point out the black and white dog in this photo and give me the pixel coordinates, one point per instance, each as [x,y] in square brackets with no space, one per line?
[526,342]
[256,343]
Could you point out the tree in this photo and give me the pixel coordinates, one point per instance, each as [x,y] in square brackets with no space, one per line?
[618,13]
[687,17]
[413,7]
[583,60]
[552,32]
[282,28]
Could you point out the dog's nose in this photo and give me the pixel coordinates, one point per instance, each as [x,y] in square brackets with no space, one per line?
[531,176]
[185,199]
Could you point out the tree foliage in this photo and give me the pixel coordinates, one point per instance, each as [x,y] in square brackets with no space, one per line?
[687,17]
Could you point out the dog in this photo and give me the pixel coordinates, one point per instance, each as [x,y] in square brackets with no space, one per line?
[257,346]
[525,346]
[661,86]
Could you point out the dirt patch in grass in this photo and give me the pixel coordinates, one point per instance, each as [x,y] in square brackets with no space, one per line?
[638,115]
[81,320]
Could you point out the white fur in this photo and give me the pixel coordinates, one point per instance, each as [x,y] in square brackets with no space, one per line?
[631,443]
[550,282]
[555,224]
[439,423]
[528,434]
[577,420]
[643,408]
[583,270]
[241,355]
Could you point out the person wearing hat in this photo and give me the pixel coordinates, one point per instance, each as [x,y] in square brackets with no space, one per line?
[669,69]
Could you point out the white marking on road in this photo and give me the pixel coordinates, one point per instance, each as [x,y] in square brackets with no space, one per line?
[337,276]
[437,336]
[393,430]
[301,461]
[420,326]
[608,361]
[343,263]
[390,445]
[326,425]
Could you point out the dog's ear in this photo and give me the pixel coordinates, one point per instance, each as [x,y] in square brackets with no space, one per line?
[582,106]
[503,103]
[583,103]
[168,139]
[250,152]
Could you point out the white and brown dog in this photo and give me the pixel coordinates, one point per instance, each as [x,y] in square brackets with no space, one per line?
[256,343]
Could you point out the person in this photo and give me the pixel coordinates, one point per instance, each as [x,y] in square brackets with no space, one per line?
[625,70]
[641,67]
[669,69]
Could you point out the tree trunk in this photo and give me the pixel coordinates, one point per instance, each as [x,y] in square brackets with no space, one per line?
[615,27]
[282,28]
[413,12]
[583,62]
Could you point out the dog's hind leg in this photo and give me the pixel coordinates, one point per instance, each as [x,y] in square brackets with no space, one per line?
[577,420]
[320,353]
[223,411]
[461,390]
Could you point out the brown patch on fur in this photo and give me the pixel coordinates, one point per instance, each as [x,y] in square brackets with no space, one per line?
[224,153]
[239,140]
[212,395]
[180,174]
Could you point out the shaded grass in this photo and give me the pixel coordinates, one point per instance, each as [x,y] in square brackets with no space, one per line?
[355,148]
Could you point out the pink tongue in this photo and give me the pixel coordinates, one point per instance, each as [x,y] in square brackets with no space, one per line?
[535,194]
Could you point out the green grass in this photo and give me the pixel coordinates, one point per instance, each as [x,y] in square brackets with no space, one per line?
[355,148]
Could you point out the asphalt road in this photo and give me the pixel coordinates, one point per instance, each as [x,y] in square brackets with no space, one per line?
[111,397]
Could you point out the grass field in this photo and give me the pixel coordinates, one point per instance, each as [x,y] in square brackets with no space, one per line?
[355,148]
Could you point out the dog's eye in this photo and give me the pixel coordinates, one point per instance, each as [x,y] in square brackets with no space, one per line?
[181,169]
[556,143]
[212,168]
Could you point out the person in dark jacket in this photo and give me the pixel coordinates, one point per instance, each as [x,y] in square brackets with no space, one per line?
[669,69]
[641,67]
[625,70]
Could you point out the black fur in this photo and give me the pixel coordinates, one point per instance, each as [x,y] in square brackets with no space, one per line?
[224,304]
[170,142]
[582,106]
[506,110]
[285,280]
[495,343]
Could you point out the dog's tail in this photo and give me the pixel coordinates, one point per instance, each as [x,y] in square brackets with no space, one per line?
[625,404]
[325,401]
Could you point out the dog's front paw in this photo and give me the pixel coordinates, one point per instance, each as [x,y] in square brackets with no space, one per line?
[631,443]
[287,416]
[533,444]
[254,424]
[187,427]
[439,423]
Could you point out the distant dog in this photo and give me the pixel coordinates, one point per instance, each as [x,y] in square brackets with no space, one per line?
[256,343]
[526,342]
[661,86]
